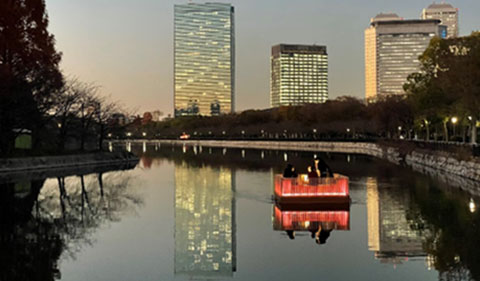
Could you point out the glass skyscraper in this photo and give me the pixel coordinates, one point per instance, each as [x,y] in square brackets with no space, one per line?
[204,66]
[299,75]
[392,48]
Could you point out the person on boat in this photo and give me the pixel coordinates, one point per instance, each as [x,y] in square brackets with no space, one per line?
[312,173]
[322,168]
[290,172]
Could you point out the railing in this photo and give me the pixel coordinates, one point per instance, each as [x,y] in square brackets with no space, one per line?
[310,220]
[303,186]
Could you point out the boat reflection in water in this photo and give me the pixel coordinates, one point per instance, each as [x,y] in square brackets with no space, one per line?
[318,206]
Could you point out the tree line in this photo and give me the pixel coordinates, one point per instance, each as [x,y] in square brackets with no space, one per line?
[35,96]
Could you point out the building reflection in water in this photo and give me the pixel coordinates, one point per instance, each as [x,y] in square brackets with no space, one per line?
[205,242]
[390,235]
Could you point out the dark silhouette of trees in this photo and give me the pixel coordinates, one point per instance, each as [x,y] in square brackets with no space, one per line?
[29,73]
[342,118]
[448,84]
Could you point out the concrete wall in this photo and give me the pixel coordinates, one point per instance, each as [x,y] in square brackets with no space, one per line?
[13,165]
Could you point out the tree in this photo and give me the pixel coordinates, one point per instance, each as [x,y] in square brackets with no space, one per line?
[448,82]
[29,71]
[66,110]
[459,72]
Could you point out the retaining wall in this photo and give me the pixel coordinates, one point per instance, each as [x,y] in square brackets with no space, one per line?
[14,165]
[443,162]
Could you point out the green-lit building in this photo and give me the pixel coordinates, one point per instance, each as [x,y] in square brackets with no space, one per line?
[299,75]
[204,66]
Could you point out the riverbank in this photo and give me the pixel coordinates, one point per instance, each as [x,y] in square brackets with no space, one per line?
[26,164]
[420,159]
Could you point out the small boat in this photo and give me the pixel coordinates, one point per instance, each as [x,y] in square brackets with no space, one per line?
[304,193]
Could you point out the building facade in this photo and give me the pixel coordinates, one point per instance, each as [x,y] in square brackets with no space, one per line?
[299,75]
[447,14]
[204,59]
[392,48]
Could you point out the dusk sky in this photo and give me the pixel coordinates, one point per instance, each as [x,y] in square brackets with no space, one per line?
[126,46]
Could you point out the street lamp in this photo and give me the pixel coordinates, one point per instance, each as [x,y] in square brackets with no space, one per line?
[471,206]
[454,122]
[144,134]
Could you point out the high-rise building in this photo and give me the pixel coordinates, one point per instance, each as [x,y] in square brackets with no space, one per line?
[204,70]
[447,14]
[299,75]
[392,48]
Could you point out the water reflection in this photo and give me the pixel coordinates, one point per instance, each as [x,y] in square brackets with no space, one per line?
[205,234]
[403,222]
[319,223]
[389,233]
[44,219]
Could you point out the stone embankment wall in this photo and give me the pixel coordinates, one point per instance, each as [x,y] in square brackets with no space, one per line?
[446,163]
[441,162]
[13,165]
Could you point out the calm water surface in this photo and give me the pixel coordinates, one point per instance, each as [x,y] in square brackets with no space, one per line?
[188,213]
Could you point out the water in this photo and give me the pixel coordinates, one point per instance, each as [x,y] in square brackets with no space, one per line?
[192,213]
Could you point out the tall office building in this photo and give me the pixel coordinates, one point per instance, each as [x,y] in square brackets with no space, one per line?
[446,13]
[204,71]
[205,231]
[299,75]
[392,48]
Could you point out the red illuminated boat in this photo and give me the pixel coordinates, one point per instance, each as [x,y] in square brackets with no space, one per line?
[303,193]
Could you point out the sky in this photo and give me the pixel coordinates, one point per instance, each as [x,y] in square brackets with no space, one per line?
[126,46]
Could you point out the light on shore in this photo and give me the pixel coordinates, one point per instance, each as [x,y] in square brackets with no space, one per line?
[472,206]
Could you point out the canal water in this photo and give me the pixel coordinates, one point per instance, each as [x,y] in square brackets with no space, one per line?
[198,213]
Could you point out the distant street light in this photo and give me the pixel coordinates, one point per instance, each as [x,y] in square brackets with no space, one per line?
[144,134]
[110,135]
[399,128]
[59,125]
[348,130]
[129,134]
[471,206]
[454,122]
